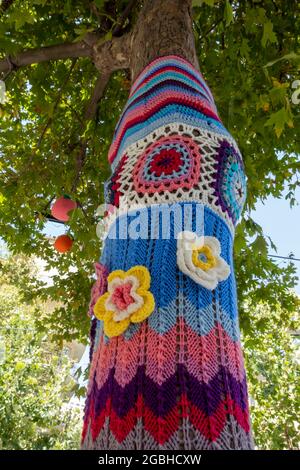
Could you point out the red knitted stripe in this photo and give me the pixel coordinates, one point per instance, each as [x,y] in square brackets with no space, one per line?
[145,115]
[168,68]
[162,428]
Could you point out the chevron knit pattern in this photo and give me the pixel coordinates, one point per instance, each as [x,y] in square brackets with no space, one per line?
[166,363]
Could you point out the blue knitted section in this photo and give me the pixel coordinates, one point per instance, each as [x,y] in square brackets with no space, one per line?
[159,256]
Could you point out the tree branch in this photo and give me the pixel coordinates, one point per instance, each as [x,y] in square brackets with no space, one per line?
[210,29]
[125,14]
[88,115]
[96,95]
[43,54]
[109,54]
[112,55]
[5,6]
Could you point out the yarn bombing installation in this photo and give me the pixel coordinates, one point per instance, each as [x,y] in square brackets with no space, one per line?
[167,368]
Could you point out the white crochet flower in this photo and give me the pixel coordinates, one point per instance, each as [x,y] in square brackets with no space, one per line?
[199,258]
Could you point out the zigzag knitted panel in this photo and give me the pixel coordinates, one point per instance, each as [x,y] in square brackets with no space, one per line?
[167,369]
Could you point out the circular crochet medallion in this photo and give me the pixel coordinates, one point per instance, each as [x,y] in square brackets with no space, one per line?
[168,164]
[112,191]
[230,185]
[166,161]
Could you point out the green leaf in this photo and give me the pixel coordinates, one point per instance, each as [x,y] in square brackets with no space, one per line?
[279,119]
[81,32]
[239,243]
[21,17]
[244,48]
[268,34]
[99,3]
[259,246]
[291,56]
[20,366]
[228,13]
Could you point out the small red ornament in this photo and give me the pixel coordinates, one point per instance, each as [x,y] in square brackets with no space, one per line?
[62,207]
[63,243]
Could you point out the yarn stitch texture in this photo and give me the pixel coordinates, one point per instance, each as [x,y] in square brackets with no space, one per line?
[127,300]
[175,379]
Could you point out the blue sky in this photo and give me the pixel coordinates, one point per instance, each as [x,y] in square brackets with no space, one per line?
[282,224]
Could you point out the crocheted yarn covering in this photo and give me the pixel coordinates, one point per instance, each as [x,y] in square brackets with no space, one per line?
[172,377]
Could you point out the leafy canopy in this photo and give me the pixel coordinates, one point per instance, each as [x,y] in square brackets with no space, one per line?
[249,54]
[271,349]
[36,384]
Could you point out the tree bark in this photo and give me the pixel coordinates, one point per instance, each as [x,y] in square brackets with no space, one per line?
[163,28]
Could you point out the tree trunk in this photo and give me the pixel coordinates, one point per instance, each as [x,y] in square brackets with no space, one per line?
[166,364]
[163,28]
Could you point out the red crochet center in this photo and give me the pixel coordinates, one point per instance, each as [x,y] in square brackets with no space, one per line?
[167,162]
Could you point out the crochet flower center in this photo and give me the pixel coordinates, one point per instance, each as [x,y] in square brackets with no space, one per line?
[203,258]
[121,296]
[167,161]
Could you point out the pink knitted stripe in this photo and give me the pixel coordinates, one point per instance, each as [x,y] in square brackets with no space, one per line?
[203,366]
[134,116]
[165,58]
[172,68]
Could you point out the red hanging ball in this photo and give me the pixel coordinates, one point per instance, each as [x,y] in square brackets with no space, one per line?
[62,207]
[63,243]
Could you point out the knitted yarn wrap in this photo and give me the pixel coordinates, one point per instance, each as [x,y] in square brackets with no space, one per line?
[167,369]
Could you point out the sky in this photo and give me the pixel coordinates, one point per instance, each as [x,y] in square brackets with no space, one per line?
[282,224]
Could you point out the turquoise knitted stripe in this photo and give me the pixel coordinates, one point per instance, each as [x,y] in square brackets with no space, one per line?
[167,115]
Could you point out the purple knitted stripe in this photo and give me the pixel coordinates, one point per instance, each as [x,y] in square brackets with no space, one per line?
[206,397]
[161,88]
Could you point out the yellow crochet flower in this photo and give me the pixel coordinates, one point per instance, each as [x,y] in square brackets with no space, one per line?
[126,301]
[203,258]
